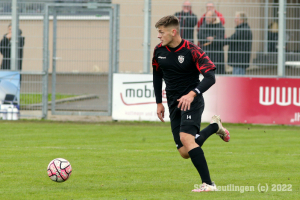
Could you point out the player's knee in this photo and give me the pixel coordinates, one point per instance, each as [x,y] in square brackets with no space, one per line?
[183,152]
[185,138]
[185,155]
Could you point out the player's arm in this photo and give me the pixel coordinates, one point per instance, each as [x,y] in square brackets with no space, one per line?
[208,80]
[206,67]
[186,100]
[157,85]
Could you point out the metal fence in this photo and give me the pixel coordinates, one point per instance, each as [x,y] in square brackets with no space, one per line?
[34,7]
[82,54]
[67,61]
[82,58]
[263,20]
[31,58]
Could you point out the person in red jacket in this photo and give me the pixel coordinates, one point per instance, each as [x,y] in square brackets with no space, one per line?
[210,6]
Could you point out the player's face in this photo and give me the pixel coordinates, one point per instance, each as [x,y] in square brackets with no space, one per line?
[165,35]
[9,29]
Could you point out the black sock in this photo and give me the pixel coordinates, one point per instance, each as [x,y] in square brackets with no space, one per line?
[198,159]
[206,132]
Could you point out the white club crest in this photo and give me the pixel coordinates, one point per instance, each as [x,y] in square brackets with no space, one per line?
[181,59]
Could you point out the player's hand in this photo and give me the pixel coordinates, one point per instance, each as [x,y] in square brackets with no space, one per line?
[185,101]
[161,111]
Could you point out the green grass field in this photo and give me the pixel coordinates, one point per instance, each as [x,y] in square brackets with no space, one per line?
[139,161]
[26,99]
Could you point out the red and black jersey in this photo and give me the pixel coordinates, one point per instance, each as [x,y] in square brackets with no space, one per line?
[180,68]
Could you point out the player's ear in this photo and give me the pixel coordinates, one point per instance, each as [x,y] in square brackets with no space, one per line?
[174,31]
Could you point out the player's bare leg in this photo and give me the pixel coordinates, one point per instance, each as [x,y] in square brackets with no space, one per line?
[184,152]
[188,141]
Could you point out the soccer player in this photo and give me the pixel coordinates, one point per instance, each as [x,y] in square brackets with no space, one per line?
[180,62]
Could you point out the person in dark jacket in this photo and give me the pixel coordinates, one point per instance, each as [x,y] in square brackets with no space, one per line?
[188,21]
[240,45]
[212,29]
[273,37]
[5,48]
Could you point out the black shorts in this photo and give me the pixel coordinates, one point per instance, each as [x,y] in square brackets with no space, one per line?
[186,121]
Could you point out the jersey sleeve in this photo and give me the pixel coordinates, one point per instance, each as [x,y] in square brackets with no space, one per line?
[157,78]
[201,60]
[205,66]
[208,80]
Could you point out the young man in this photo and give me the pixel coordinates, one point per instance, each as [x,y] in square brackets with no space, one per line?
[179,62]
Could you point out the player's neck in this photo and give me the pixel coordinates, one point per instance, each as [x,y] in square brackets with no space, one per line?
[176,41]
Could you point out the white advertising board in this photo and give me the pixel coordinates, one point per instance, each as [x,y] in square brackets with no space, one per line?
[236,99]
[134,98]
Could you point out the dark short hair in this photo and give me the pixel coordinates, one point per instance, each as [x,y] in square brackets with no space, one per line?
[166,21]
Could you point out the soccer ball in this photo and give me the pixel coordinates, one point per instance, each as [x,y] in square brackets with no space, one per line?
[59,170]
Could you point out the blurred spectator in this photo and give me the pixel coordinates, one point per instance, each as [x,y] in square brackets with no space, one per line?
[240,45]
[211,37]
[5,48]
[273,37]
[210,6]
[187,20]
